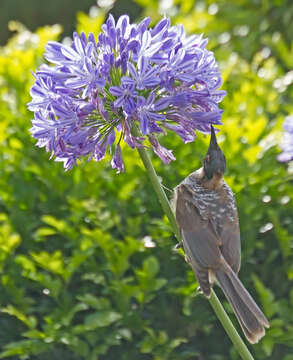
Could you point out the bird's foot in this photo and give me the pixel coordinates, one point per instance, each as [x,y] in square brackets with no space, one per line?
[179,245]
[199,291]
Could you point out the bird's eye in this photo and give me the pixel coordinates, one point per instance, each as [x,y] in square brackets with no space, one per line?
[207,158]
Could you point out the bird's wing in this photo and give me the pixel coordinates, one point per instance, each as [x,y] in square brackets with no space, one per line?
[200,240]
[230,233]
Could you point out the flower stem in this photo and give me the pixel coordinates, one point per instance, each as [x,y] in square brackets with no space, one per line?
[214,301]
[229,327]
[159,190]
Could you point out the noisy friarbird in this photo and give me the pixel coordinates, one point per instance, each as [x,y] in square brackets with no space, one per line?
[207,217]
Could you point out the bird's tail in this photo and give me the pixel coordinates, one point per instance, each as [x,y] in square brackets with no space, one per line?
[249,315]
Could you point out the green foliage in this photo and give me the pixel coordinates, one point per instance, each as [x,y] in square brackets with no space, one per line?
[86,260]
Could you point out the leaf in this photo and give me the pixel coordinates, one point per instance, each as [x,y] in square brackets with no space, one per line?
[125,333]
[24,347]
[177,342]
[98,303]
[81,348]
[45,231]
[268,345]
[95,278]
[50,261]
[267,297]
[101,319]
[30,321]
[151,266]
[59,225]
[159,283]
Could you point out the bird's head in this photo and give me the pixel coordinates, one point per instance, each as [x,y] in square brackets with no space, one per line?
[214,162]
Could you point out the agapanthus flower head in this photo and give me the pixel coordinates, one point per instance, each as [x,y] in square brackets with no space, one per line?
[287,141]
[158,79]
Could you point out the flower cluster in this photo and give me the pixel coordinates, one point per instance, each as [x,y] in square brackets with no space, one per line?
[157,79]
[287,143]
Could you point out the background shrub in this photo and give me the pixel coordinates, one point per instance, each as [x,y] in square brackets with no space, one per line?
[86,260]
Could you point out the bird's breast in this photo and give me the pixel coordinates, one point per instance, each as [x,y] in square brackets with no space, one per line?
[217,205]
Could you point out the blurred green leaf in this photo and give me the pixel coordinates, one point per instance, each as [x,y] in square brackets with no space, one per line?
[101,319]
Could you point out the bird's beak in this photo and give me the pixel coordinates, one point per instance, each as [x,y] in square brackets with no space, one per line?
[214,162]
[213,142]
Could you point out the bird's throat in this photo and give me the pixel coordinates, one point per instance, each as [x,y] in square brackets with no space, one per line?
[215,182]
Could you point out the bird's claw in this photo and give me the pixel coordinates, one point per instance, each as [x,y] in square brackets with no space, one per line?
[199,291]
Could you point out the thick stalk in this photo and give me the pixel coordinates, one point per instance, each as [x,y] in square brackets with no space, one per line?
[214,301]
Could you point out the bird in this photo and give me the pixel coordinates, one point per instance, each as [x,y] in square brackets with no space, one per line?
[207,217]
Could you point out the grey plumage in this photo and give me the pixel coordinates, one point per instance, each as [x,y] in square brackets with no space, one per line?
[206,214]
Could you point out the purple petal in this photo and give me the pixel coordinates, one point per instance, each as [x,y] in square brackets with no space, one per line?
[163,153]
[142,64]
[162,103]
[115,90]
[100,150]
[132,70]
[185,135]
[117,162]
[126,80]
[144,124]
[111,138]
[287,140]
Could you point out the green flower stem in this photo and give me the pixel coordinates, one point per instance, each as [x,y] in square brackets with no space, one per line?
[159,190]
[229,327]
[214,301]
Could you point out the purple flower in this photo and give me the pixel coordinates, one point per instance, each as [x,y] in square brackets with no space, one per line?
[145,76]
[125,97]
[147,115]
[94,92]
[287,141]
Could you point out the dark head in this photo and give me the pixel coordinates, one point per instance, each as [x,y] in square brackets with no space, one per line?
[214,161]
